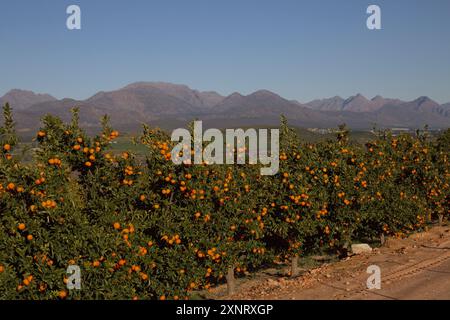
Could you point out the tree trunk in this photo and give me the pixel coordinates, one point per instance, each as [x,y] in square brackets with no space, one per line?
[294,266]
[441,219]
[231,284]
[382,239]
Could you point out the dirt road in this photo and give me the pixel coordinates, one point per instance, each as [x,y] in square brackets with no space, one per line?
[414,268]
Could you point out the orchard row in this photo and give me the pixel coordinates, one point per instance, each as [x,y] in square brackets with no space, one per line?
[150,229]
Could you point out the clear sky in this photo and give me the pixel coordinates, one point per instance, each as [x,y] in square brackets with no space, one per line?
[299,49]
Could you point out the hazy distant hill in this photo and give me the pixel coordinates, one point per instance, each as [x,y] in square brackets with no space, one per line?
[445,109]
[171,105]
[414,114]
[22,99]
[182,92]
[357,103]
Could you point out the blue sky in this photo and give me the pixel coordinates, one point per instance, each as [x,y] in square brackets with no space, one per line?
[299,49]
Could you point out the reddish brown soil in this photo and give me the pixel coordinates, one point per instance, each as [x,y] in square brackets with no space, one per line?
[414,268]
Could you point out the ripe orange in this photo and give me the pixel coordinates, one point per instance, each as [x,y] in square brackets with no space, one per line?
[7,147]
[41,134]
[116,225]
[136,268]
[88,164]
[29,237]
[62,294]
[21,226]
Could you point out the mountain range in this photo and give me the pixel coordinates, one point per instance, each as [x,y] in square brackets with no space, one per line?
[172,105]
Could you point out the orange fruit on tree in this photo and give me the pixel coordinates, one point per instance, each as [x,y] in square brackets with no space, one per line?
[21,226]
